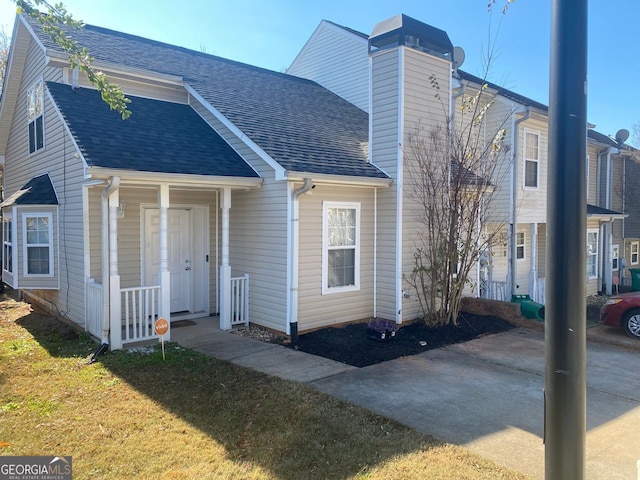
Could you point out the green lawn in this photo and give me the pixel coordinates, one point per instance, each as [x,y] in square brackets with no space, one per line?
[133,415]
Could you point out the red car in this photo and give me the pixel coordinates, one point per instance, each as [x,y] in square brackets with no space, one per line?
[623,311]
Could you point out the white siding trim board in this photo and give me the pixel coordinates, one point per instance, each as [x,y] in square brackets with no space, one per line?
[400,186]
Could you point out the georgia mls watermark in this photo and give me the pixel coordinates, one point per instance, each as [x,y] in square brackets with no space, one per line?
[35,468]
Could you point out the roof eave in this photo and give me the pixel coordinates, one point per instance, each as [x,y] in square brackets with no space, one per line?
[351,180]
[135,177]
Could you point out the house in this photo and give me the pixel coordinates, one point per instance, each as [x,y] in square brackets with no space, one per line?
[517,266]
[279,199]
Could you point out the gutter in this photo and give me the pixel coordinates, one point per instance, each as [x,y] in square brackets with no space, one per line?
[514,199]
[307,186]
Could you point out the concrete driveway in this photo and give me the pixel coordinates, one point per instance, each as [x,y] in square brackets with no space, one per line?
[486,395]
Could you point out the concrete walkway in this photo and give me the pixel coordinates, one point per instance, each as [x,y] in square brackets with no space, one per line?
[485,395]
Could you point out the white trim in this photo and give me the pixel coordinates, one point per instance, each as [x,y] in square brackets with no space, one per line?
[290,311]
[8,275]
[351,181]
[138,178]
[280,172]
[35,118]
[525,159]
[326,205]
[637,253]
[597,249]
[523,245]
[25,245]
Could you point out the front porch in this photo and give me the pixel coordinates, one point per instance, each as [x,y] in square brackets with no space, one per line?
[140,307]
[183,267]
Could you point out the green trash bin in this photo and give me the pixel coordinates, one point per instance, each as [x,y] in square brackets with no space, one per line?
[529,308]
[635,279]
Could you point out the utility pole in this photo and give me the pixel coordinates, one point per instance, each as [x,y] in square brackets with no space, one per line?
[565,324]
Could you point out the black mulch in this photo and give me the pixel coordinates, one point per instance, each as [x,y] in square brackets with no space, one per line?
[351,345]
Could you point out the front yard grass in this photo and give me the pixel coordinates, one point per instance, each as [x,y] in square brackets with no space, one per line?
[133,415]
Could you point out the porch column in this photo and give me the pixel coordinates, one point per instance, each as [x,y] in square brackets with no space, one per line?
[225,268]
[533,270]
[164,275]
[115,315]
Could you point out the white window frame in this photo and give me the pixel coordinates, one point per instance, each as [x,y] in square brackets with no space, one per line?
[522,244]
[595,254]
[615,256]
[526,159]
[7,242]
[632,253]
[326,206]
[587,172]
[35,111]
[25,245]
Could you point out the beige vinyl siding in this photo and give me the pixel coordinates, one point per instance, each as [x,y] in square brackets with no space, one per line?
[499,116]
[58,158]
[338,60]
[421,108]
[532,202]
[315,309]
[384,121]
[499,257]
[542,250]
[258,236]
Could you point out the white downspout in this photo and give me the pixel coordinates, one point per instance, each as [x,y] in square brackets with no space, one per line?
[375,253]
[514,199]
[111,187]
[295,249]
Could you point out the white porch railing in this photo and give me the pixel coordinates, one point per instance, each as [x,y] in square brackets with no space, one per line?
[240,300]
[539,294]
[95,302]
[495,291]
[140,307]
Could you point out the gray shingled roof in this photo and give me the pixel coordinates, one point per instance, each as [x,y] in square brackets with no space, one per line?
[161,137]
[301,125]
[593,210]
[37,191]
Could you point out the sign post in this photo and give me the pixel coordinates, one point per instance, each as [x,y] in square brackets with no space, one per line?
[161,326]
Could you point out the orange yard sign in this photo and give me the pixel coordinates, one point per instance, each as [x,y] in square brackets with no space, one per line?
[161,326]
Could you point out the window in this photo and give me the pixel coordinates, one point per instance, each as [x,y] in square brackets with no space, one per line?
[634,253]
[35,118]
[615,254]
[520,245]
[341,247]
[592,253]
[587,171]
[7,244]
[38,251]
[531,158]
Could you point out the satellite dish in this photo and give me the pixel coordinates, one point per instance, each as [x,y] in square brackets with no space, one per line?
[458,57]
[622,135]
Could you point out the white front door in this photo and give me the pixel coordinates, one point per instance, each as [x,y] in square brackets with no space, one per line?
[179,224]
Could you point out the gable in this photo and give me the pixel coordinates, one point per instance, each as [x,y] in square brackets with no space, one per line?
[160,137]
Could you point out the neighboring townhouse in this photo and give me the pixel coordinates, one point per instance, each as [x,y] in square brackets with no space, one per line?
[337,58]
[280,199]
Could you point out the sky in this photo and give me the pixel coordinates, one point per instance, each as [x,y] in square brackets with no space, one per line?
[270,33]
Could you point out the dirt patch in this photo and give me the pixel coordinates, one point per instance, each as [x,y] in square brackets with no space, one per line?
[351,345]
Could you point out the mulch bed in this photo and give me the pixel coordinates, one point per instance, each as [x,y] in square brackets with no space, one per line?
[350,344]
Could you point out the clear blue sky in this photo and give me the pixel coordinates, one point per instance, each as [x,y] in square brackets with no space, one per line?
[269,33]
